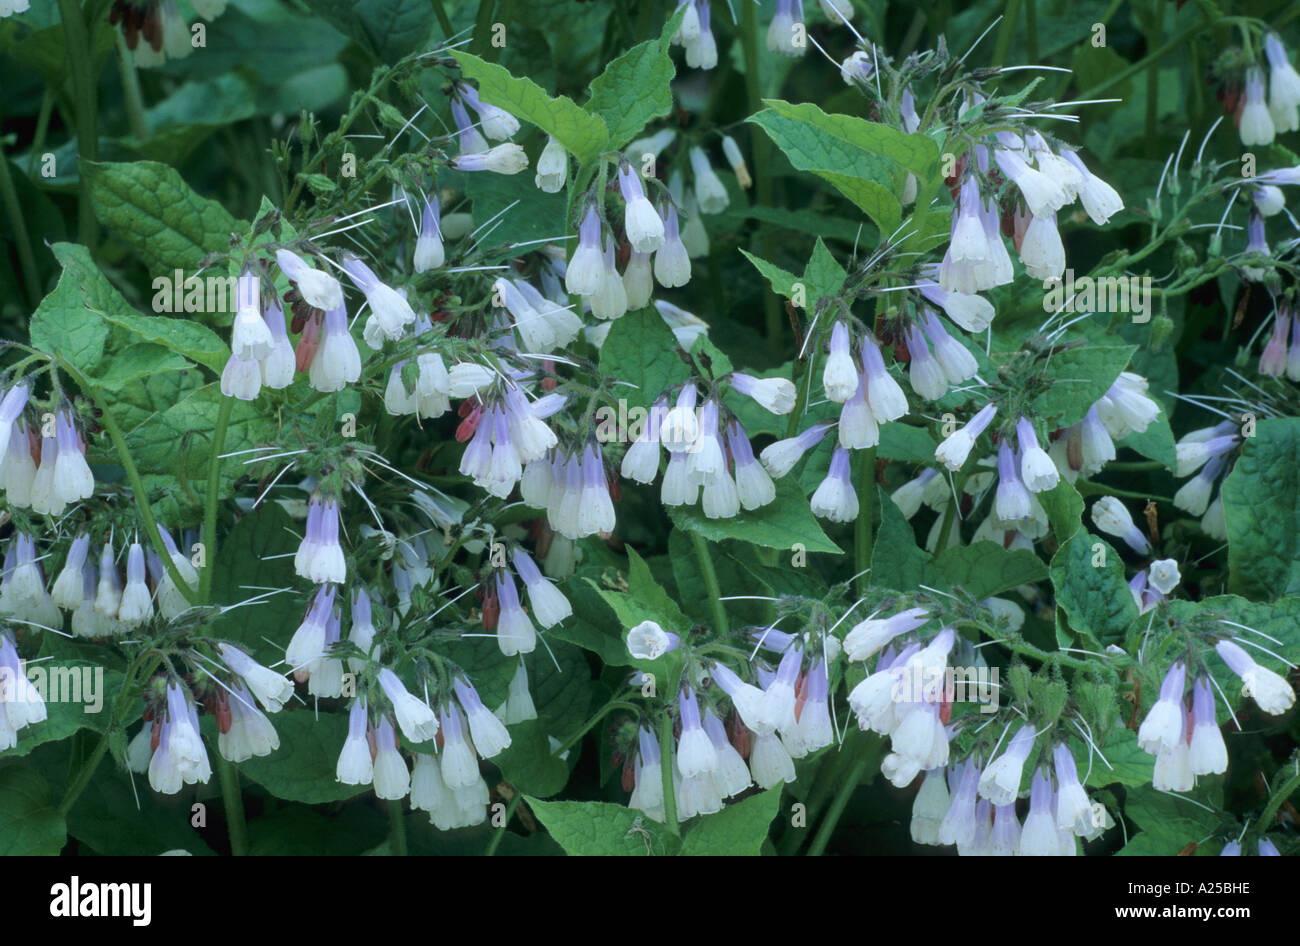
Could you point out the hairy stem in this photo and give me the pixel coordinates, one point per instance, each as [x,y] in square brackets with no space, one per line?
[233,803]
[14,211]
[762,158]
[77,40]
[210,501]
[666,773]
[710,575]
[501,831]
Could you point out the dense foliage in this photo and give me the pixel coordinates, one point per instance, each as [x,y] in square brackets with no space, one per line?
[692,427]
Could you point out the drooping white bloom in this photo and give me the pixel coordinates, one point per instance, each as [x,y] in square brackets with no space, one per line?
[552,167]
[497,123]
[506,158]
[641,222]
[649,641]
[489,734]
[1099,199]
[1163,728]
[835,499]
[1256,124]
[1207,753]
[1037,470]
[710,193]
[1073,810]
[1268,689]
[954,450]
[1163,575]
[1000,781]
[672,263]
[355,766]
[429,250]
[318,288]
[1110,516]
[775,395]
[1283,86]
[392,779]
[271,689]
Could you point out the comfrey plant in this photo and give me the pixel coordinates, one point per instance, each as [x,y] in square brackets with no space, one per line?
[520,455]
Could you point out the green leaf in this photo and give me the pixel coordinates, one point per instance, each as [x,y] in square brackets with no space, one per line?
[66,323]
[1079,377]
[257,553]
[536,215]
[581,132]
[865,179]
[296,831]
[903,442]
[600,829]
[914,152]
[169,444]
[86,312]
[642,351]
[781,524]
[302,769]
[527,763]
[986,568]
[896,560]
[1155,443]
[738,829]
[1261,507]
[1129,765]
[1095,597]
[386,29]
[633,90]
[1171,821]
[150,208]
[29,822]
[1064,508]
[115,820]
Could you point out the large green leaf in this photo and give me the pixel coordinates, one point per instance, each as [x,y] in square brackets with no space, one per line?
[1089,579]
[738,829]
[581,132]
[863,160]
[150,208]
[633,90]
[1078,379]
[302,769]
[1261,507]
[986,568]
[29,822]
[642,352]
[595,828]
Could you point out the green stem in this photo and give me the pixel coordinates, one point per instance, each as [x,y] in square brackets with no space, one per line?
[210,501]
[15,212]
[597,717]
[762,148]
[398,823]
[1153,77]
[233,802]
[842,796]
[42,128]
[1280,796]
[1031,27]
[481,42]
[131,90]
[501,831]
[443,20]
[1141,64]
[710,576]
[77,49]
[84,776]
[865,477]
[1007,31]
[666,773]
